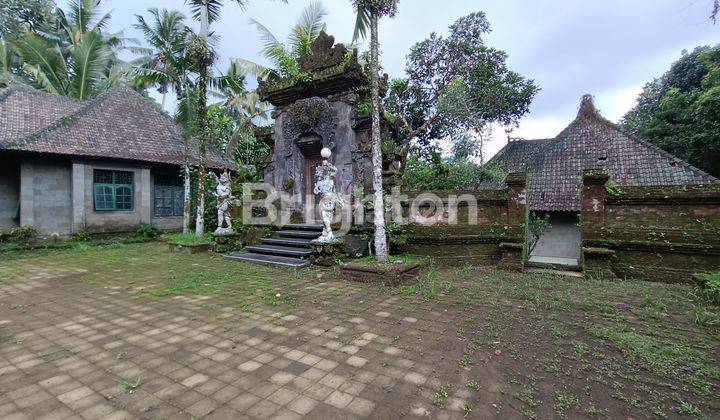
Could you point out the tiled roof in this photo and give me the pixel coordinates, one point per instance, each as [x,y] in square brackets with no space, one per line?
[119,124]
[555,166]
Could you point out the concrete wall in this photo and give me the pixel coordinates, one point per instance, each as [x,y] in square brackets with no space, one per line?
[45,195]
[56,196]
[656,233]
[9,193]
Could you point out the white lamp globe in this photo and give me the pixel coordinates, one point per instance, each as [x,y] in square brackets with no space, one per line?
[325,153]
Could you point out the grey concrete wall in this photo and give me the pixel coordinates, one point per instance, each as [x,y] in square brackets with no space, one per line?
[56,196]
[562,240]
[9,193]
[45,196]
[116,221]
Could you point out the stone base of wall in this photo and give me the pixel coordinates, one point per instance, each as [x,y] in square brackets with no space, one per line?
[445,253]
[598,262]
[512,256]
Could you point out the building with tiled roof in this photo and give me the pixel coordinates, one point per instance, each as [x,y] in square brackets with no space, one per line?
[105,164]
[555,166]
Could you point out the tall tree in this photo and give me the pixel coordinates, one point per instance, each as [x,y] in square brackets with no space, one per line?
[163,63]
[369,13]
[456,84]
[680,111]
[206,12]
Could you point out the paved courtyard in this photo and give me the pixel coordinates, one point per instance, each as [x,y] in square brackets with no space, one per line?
[137,332]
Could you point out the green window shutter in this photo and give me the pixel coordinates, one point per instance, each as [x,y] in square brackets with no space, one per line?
[103,197]
[169,195]
[113,190]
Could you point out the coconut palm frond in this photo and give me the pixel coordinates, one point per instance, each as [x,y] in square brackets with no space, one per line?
[43,62]
[251,68]
[362,23]
[90,59]
[308,27]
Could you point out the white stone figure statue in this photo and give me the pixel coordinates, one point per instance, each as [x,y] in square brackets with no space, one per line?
[223,193]
[329,200]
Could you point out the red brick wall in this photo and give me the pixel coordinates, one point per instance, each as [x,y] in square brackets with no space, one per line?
[657,233]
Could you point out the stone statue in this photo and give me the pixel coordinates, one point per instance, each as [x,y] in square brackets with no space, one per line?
[329,200]
[223,193]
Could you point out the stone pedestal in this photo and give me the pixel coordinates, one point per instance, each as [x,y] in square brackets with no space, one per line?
[227,243]
[389,274]
[327,254]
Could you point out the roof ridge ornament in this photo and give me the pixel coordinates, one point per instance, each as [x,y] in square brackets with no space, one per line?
[324,53]
[587,107]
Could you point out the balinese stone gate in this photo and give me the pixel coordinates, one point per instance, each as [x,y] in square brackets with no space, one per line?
[498,237]
[657,233]
[315,110]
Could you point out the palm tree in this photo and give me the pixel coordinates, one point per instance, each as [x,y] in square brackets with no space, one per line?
[244,107]
[368,14]
[76,59]
[285,57]
[206,12]
[163,63]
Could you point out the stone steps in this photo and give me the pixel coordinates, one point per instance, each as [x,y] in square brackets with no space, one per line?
[266,259]
[289,247]
[288,251]
[305,234]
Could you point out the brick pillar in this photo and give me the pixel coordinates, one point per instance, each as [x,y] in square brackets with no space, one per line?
[593,203]
[513,249]
[517,202]
[597,260]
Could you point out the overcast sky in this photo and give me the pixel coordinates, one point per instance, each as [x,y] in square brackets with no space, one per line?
[608,48]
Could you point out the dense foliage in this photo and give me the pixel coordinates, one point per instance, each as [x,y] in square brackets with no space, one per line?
[20,16]
[680,111]
[69,52]
[448,174]
[457,84]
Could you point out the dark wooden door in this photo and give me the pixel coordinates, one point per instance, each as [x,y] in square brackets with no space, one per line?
[312,199]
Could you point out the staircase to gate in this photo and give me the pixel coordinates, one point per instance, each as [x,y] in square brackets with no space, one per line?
[288,247]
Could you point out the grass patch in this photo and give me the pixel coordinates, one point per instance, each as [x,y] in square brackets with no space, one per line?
[392,259]
[187,239]
[673,359]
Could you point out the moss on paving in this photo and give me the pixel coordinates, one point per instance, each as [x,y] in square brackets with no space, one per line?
[566,347]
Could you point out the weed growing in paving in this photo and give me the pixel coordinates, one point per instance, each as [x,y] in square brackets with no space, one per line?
[563,402]
[441,395]
[130,385]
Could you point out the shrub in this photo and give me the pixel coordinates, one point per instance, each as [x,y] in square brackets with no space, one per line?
[448,174]
[82,236]
[149,231]
[24,233]
[710,286]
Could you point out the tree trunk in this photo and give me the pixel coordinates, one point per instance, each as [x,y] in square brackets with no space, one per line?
[186,189]
[381,247]
[201,137]
[202,128]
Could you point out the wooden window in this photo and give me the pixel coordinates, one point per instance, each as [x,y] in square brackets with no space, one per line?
[169,194]
[113,190]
